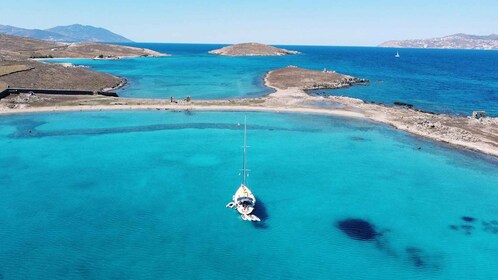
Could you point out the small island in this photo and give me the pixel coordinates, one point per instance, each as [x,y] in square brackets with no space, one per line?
[306,79]
[252,49]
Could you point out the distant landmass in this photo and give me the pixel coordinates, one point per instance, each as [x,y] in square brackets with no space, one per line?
[70,33]
[21,48]
[456,41]
[252,49]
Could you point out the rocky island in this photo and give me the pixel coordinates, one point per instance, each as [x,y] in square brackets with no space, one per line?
[252,49]
[305,79]
[456,41]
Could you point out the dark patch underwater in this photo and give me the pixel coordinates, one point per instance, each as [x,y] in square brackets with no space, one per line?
[30,130]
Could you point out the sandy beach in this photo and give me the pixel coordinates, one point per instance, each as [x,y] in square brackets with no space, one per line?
[477,135]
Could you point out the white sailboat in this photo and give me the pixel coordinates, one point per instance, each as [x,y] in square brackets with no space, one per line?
[397,55]
[243,200]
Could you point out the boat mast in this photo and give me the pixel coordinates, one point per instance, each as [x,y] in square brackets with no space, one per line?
[245,147]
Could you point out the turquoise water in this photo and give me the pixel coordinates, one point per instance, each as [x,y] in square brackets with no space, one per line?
[443,81]
[141,195]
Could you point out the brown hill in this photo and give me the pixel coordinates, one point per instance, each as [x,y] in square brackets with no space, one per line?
[33,74]
[14,47]
[252,49]
[18,71]
[294,77]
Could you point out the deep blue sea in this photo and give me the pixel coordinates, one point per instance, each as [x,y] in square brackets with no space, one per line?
[443,81]
[141,195]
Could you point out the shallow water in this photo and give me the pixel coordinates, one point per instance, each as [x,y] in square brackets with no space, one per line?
[141,195]
[443,81]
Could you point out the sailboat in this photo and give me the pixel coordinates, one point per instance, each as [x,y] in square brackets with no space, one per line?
[243,200]
[397,55]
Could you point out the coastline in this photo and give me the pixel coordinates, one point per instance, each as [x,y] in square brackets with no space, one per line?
[472,134]
[121,85]
[177,107]
[44,60]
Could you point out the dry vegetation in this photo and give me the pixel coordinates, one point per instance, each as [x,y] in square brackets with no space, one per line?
[294,77]
[91,50]
[17,70]
[3,86]
[55,76]
[9,69]
[19,44]
[14,47]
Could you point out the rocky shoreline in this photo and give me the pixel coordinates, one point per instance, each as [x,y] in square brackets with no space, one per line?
[121,85]
[306,79]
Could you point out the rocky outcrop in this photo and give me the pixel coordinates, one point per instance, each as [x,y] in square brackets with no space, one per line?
[446,132]
[294,77]
[28,98]
[252,49]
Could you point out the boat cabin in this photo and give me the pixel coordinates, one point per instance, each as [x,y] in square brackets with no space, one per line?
[245,201]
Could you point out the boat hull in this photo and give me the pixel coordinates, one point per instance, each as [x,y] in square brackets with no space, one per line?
[244,200]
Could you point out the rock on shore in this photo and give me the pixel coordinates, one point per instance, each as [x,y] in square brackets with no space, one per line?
[252,49]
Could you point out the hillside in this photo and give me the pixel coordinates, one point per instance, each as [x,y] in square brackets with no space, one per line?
[87,33]
[457,41]
[32,33]
[33,74]
[17,70]
[70,33]
[14,47]
[251,49]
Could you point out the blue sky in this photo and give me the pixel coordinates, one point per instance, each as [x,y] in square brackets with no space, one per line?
[312,22]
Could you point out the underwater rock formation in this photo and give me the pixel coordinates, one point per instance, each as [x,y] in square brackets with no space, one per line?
[468,219]
[489,226]
[358,229]
[415,256]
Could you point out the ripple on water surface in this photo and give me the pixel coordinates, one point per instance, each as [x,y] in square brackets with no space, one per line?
[142,195]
